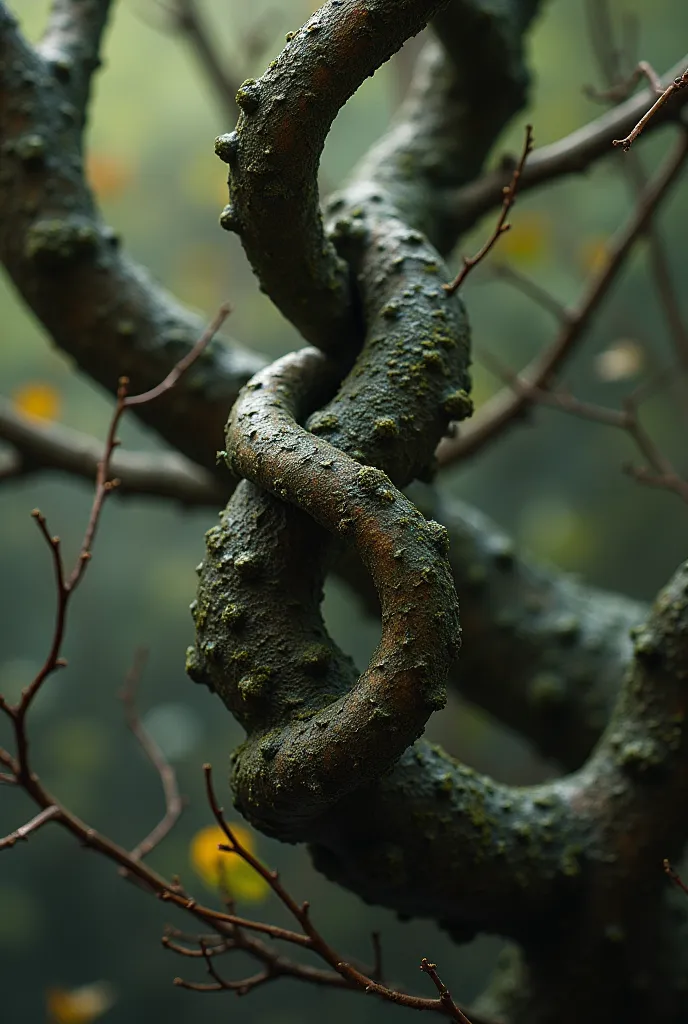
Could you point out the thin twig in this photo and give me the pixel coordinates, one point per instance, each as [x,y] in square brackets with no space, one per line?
[611,59]
[502,225]
[621,90]
[180,368]
[675,877]
[446,1000]
[573,154]
[66,584]
[678,83]
[660,473]
[168,777]
[507,406]
[24,831]
[532,290]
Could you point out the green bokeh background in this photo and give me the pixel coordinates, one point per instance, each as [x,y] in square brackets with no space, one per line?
[65,917]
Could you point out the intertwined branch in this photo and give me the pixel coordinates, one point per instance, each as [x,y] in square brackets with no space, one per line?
[324,440]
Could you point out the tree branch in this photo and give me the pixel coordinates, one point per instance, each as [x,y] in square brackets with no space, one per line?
[98,306]
[508,407]
[40,447]
[71,45]
[573,154]
[280,227]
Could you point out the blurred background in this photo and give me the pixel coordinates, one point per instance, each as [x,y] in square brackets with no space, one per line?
[66,918]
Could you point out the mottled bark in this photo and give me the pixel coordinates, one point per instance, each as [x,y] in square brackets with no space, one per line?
[325,440]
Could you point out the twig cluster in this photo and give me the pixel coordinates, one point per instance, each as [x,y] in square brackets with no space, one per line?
[229,932]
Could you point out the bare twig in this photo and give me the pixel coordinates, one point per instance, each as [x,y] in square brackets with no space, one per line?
[507,406]
[24,831]
[572,154]
[168,777]
[675,877]
[620,90]
[450,1006]
[502,225]
[531,289]
[678,83]
[66,584]
[660,472]
[611,59]
[180,368]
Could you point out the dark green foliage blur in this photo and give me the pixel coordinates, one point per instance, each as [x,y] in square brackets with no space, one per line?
[66,919]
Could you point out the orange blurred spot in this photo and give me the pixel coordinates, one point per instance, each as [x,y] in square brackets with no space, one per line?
[108,175]
[78,1005]
[37,401]
[220,870]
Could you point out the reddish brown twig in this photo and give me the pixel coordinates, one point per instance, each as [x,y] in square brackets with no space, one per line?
[67,583]
[494,418]
[450,1006]
[502,225]
[678,83]
[675,877]
[232,932]
[168,777]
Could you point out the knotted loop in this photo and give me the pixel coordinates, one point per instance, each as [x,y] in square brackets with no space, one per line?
[314,731]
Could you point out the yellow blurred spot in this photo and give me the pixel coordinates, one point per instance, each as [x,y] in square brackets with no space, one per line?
[78,1005]
[107,175]
[620,361]
[527,239]
[593,254]
[37,401]
[220,870]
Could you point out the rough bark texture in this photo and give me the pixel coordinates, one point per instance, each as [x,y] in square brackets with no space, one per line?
[324,441]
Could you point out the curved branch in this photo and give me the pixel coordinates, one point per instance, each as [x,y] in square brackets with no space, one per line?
[273,158]
[418,345]
[455,112]
[540,651]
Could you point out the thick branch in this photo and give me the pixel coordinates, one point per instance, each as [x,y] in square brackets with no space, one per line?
[274,154]
[98,306]
[467,85]
[71,45]
[41,447]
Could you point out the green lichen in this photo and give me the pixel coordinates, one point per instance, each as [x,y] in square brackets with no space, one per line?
[458,405]
[60,240]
